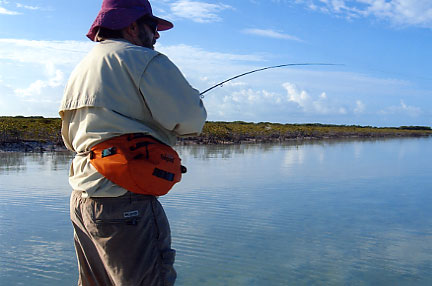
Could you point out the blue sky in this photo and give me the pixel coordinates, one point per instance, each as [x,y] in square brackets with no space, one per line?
[384,45]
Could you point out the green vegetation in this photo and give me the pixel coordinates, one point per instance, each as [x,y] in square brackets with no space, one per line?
[415,128]
[21,129]
[35,128]
[243,132]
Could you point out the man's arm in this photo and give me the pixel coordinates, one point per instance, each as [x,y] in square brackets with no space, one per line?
[172,101]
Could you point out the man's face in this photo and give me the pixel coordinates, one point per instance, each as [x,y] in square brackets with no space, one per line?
[148,35]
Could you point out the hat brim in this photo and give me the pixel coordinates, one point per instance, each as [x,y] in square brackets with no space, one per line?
[117,19]
[163,24]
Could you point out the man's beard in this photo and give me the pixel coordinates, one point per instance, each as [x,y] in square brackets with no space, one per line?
[146,40]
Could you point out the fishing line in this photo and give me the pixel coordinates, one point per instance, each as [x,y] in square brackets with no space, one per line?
[261,69]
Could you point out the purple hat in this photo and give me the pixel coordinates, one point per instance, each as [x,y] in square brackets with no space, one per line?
[119,14]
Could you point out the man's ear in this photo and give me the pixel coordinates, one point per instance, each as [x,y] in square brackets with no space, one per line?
[131,31]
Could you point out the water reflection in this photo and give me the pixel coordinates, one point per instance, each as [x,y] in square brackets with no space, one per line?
[19,162]
[299,213]
[206,152]
[12,162]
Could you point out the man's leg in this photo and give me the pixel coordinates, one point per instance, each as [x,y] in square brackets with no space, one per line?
[122,241]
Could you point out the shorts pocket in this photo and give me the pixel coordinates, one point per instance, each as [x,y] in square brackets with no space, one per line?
[105,218]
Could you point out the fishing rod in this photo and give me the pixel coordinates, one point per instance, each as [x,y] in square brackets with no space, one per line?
[261,69]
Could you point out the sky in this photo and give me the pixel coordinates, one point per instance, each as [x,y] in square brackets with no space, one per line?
[384,49]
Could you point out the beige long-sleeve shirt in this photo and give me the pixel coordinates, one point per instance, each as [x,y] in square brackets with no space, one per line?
[120,88]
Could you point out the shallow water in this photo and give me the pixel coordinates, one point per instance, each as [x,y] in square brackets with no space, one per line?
[314,213]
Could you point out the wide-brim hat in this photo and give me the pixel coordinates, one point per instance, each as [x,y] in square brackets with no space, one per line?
[119,14]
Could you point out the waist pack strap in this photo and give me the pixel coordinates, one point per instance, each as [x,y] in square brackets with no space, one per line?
[83,153]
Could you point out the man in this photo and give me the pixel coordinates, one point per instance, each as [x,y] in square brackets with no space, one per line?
[123,87]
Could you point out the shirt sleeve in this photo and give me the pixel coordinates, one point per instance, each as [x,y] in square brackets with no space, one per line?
[172,101]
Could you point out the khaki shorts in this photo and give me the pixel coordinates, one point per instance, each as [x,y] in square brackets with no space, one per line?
[122,241]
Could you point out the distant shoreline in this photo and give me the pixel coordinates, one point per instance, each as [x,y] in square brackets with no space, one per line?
[42,147]
[38,134]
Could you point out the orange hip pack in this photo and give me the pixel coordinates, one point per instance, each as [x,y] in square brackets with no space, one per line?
[139,163]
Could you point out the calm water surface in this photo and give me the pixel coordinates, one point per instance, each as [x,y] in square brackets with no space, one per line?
[316,213]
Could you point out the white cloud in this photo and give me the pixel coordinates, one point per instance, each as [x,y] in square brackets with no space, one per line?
[271,34]
[321,105]
[19,5]
[403,108]
[400,12]
[360,107]
[190,52]
[251,104]
[32,73]
[35,73]
[4,11]
[32,51]
[248,104]
[210,67]
[263,97]
[342,110]
[196,11]
[55,79]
